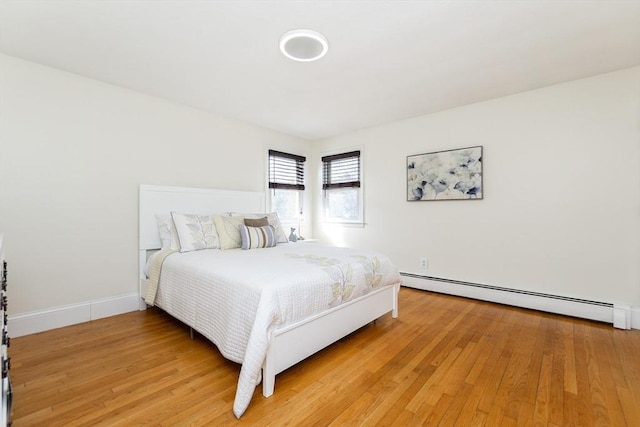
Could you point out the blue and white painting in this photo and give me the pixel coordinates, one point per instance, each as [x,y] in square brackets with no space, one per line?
[445,175]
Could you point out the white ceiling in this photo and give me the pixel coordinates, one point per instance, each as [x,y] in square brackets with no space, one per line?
[387,60]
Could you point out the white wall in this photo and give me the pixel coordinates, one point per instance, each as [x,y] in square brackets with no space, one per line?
[561,212]
[561,208]
[73,152]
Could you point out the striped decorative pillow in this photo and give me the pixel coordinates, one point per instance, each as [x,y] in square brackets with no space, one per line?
[257,237]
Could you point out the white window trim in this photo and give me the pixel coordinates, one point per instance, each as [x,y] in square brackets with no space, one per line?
[286,220]
[360,222]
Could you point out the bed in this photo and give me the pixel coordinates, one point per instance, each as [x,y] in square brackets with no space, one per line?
[267,309]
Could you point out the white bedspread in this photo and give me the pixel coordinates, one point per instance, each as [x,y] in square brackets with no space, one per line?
[237,298]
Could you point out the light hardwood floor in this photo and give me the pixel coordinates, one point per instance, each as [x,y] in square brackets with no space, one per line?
[445,361]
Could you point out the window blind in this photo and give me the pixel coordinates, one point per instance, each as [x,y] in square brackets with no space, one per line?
[341,170]
[286,171]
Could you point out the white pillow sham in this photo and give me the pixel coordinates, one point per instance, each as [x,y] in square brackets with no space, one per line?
[195,232]
[228,230]
[167,231]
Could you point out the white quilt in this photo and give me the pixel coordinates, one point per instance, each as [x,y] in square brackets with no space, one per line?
[237,298]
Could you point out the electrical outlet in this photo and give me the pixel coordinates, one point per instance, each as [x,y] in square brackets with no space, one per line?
[424,263]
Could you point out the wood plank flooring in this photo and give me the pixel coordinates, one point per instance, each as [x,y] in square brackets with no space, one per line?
[445,361]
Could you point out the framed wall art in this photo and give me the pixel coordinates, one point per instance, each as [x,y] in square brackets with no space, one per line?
[445,175]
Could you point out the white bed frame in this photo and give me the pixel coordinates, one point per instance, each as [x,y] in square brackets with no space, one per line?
[290,344]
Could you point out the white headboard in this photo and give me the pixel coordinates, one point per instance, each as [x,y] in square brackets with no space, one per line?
[163,200]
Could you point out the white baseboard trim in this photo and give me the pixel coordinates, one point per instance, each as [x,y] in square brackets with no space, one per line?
[635,318]
[575,308]
[57,317]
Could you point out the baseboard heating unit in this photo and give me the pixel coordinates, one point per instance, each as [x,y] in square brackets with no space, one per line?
[594,310]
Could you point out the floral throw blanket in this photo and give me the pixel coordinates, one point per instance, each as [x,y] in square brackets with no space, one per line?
[341,273]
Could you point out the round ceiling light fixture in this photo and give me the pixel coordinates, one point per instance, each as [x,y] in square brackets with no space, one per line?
[303,45]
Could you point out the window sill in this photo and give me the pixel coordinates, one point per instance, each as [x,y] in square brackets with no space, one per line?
[345,224]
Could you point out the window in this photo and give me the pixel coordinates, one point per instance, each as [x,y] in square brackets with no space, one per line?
[341,185]
[286,180]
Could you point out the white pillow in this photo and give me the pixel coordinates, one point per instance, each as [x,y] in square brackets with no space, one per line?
[168,234]
[274,221]
[228,230]
[195,232]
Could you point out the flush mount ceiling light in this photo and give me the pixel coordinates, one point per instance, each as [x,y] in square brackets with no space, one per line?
[303,45]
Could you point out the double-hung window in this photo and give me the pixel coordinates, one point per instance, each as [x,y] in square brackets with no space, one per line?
[286,181]
[342,188]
